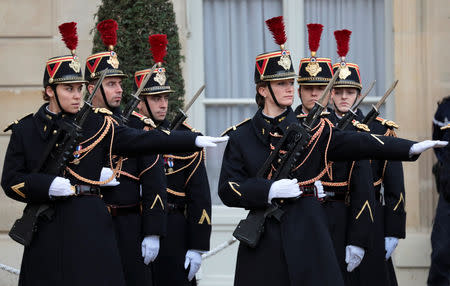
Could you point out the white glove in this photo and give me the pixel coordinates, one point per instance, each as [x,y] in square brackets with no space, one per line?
[320,191]
[105,175]
[150,248]
[390,243]
[208,141]
[353,256]
[418,148]
[60,187]
[194,258]
[284,188]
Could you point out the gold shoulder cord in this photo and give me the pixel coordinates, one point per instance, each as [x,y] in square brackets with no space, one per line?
[105,127]
[126,174]
[109,124]
[315,139]
[195,169]
[327,164]
[151,166]
[312,180]
[194,156]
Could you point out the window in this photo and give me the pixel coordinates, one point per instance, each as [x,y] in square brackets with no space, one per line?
[234,33]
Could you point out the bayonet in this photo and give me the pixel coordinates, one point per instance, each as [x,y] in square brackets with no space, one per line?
[374,111]
[181,115]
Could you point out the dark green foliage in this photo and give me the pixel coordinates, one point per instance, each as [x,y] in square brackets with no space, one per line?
[138,19]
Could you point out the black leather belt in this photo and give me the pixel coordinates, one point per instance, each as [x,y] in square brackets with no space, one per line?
[307,191]
[176,207]
[118,210]
[87,190]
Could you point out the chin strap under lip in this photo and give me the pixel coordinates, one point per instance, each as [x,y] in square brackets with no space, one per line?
[149,110]
[272,94]
[104,97]
[57,99]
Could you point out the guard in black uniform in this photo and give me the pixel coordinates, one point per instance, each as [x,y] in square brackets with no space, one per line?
[74,242]
[440,257]
[188,194]
[389,211]
[348,185]
[138,213]
[297,248]
[389,220]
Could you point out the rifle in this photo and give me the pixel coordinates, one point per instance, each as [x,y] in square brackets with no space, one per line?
[294,142]
[134,101]
[373,113]
[351,114]
[181,115]
[55,158]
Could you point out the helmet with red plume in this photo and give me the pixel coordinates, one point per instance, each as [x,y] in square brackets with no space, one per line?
[349,75]
[275,65]
[98,62]
[65,69]
[157,83]
[314,70]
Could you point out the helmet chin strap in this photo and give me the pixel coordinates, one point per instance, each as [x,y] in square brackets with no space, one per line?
[157,122]
[104,97]
[57,99]
[273,95]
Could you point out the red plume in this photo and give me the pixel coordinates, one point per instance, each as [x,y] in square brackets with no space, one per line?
[314,33]
[276,26]
[69,34]
[158,45]
[342,40]
[108,32]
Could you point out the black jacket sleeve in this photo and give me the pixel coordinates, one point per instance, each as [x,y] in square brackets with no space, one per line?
[198,203]
[18,180]
[236,187]
[394,198]
[154,195]
[348,145]
[133,142]
[362,199]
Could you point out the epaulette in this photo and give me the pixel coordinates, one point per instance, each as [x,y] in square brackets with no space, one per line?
[234,127]
[9,127]
[188,126]
[145,119]
[446,126]
[388,123]
[303,115]
[360,126]
[103,110]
